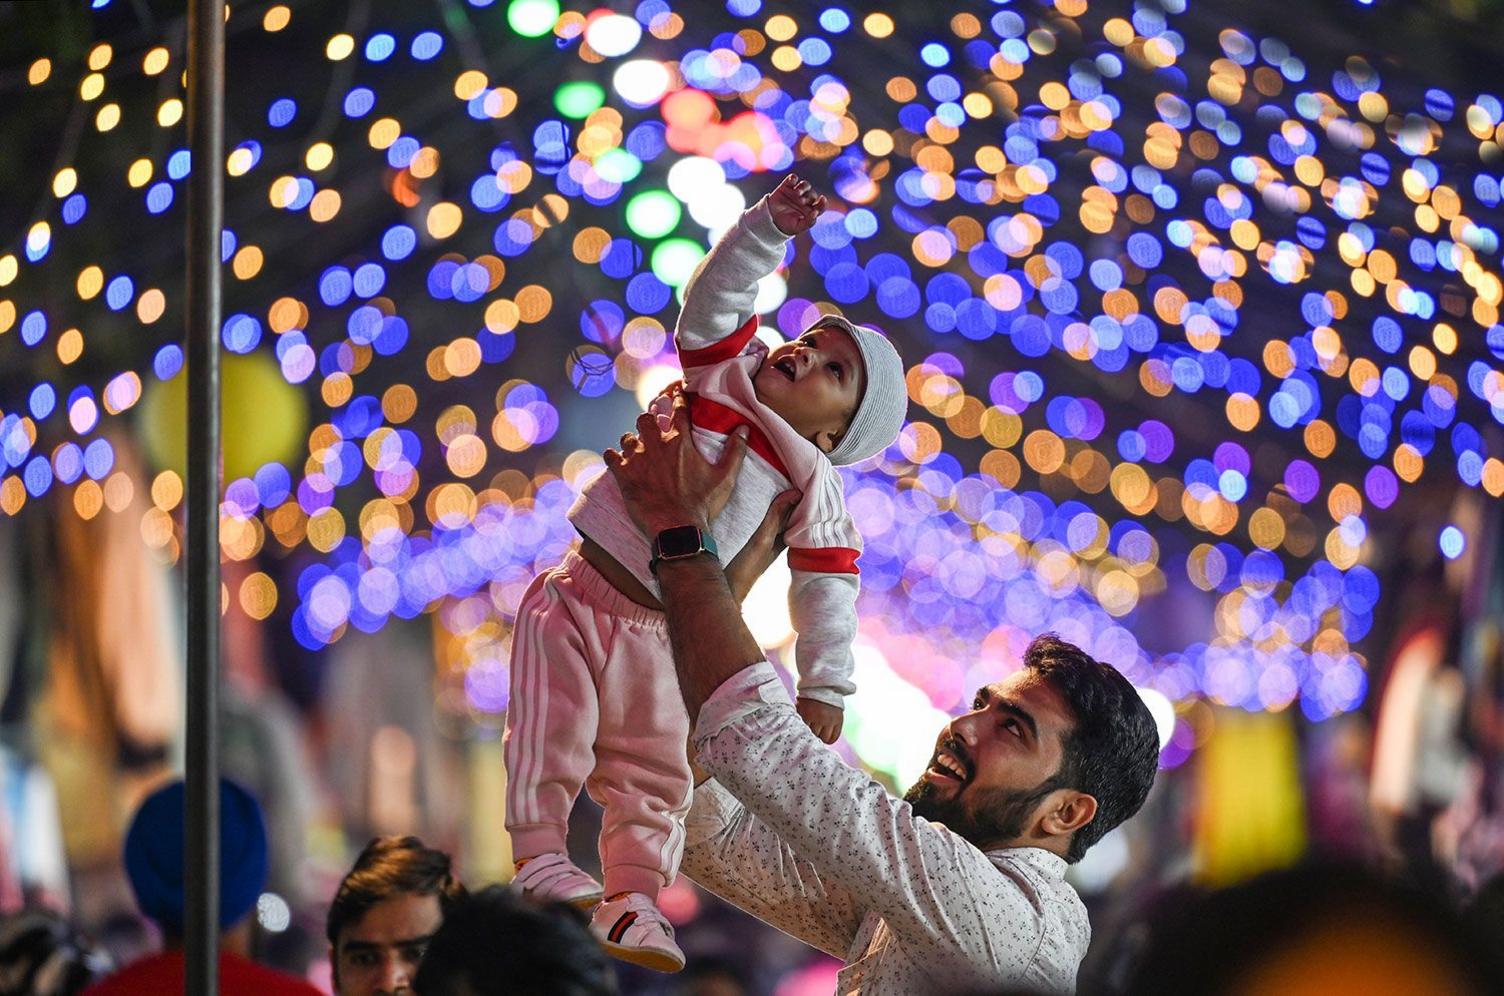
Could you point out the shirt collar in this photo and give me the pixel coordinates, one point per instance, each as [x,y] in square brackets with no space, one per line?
[1045,861]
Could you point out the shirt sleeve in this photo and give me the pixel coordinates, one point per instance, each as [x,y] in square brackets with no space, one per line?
[822,608]
[927,883]
[717,319]
[734,855]
[823,550]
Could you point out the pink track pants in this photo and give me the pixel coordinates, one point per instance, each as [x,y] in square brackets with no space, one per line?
[594,701]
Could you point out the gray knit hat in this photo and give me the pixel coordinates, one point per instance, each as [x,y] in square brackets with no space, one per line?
[885,399]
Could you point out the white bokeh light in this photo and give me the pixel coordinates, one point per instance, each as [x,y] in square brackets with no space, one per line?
[692,174]
[891,724]
[1163,711]
[273,913]
[613,34]
[641,82]
[717,207]
[766,609]
[652,382]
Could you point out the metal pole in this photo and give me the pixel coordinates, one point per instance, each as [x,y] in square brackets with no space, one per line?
[206,83]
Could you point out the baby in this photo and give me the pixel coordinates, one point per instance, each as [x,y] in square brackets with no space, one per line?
[594,697]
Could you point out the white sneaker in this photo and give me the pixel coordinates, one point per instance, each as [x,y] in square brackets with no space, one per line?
[632,928]
[553,878]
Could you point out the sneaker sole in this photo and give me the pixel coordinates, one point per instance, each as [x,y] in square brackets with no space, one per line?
[585,903]
[658,961]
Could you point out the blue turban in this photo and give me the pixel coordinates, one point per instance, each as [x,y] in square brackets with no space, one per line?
[154,854]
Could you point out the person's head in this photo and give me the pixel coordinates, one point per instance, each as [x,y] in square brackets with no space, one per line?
[1053,756]
[154,856]
[1314,929]
[384,914]
[494,941]
[840,386]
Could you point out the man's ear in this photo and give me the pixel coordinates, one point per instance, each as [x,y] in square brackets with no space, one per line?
[826,440]
[1069,811]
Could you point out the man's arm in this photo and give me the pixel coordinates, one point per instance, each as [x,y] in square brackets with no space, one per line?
[716,318]
[733,854]
[932,887]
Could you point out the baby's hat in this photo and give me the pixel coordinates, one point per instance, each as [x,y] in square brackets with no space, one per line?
[885,400]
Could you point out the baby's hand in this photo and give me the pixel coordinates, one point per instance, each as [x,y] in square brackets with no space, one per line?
[824,719]
[795,205]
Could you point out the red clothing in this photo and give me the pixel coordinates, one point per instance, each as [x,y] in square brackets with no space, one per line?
[163,974]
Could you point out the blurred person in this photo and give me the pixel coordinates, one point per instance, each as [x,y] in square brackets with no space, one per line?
[41,954]
[958,886]
[1313,930]
[154,848]
[385,913]
[496,942]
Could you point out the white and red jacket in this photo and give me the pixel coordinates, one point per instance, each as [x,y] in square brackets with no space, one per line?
[721,353]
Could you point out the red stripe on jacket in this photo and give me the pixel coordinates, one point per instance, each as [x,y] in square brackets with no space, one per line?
[707,414]
[728,348]
[827,560]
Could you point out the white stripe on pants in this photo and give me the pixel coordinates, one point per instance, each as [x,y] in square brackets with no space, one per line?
[595,702]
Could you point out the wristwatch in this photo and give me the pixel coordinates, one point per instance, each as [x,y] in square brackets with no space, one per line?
[681,543]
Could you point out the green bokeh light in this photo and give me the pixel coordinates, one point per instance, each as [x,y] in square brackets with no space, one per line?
[579,99]
[533,18]
[652,214]
[675,259]
[618,166]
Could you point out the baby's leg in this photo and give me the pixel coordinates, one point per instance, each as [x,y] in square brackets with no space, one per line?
[551,716]
[642,775]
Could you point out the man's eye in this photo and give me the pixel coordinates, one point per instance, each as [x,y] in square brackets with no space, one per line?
[364,959]
[836,369]
[978,702]
[1014,727]
[414,953]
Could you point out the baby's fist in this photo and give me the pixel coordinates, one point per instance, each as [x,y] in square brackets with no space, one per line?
[824,720]
[795,205]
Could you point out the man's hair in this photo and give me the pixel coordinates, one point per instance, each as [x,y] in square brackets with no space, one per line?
[1112,751]
[493,941]
[388,867]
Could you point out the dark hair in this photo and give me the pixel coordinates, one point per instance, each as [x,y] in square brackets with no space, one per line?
[493,941]
[1112,751]
[391,866]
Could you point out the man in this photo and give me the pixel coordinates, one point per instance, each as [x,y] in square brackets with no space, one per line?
[386,911]
[495,941]
[154,865]
[959,886]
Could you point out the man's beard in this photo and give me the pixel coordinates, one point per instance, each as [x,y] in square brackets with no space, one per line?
[985,816]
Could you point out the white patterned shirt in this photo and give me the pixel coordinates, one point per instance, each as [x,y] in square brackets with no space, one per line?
[793,835]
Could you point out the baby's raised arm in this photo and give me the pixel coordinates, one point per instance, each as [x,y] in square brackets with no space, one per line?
[718,298]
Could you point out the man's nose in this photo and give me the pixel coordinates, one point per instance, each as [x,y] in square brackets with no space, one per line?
[395,976]
[964,727]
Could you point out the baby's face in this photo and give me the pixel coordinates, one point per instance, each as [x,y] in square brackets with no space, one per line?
[814,383]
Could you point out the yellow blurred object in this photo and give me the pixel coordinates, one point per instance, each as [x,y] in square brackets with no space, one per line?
[265,418]
[1250,815]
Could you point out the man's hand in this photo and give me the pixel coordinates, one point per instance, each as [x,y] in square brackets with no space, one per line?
[795,205]
[763,548]
[824,720]
[665,481]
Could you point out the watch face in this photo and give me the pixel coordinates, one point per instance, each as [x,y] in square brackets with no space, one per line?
[680,541]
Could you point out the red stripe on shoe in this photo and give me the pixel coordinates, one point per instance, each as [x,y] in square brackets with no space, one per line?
[728,347]
[712,415]
[620,927]
[826,560]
